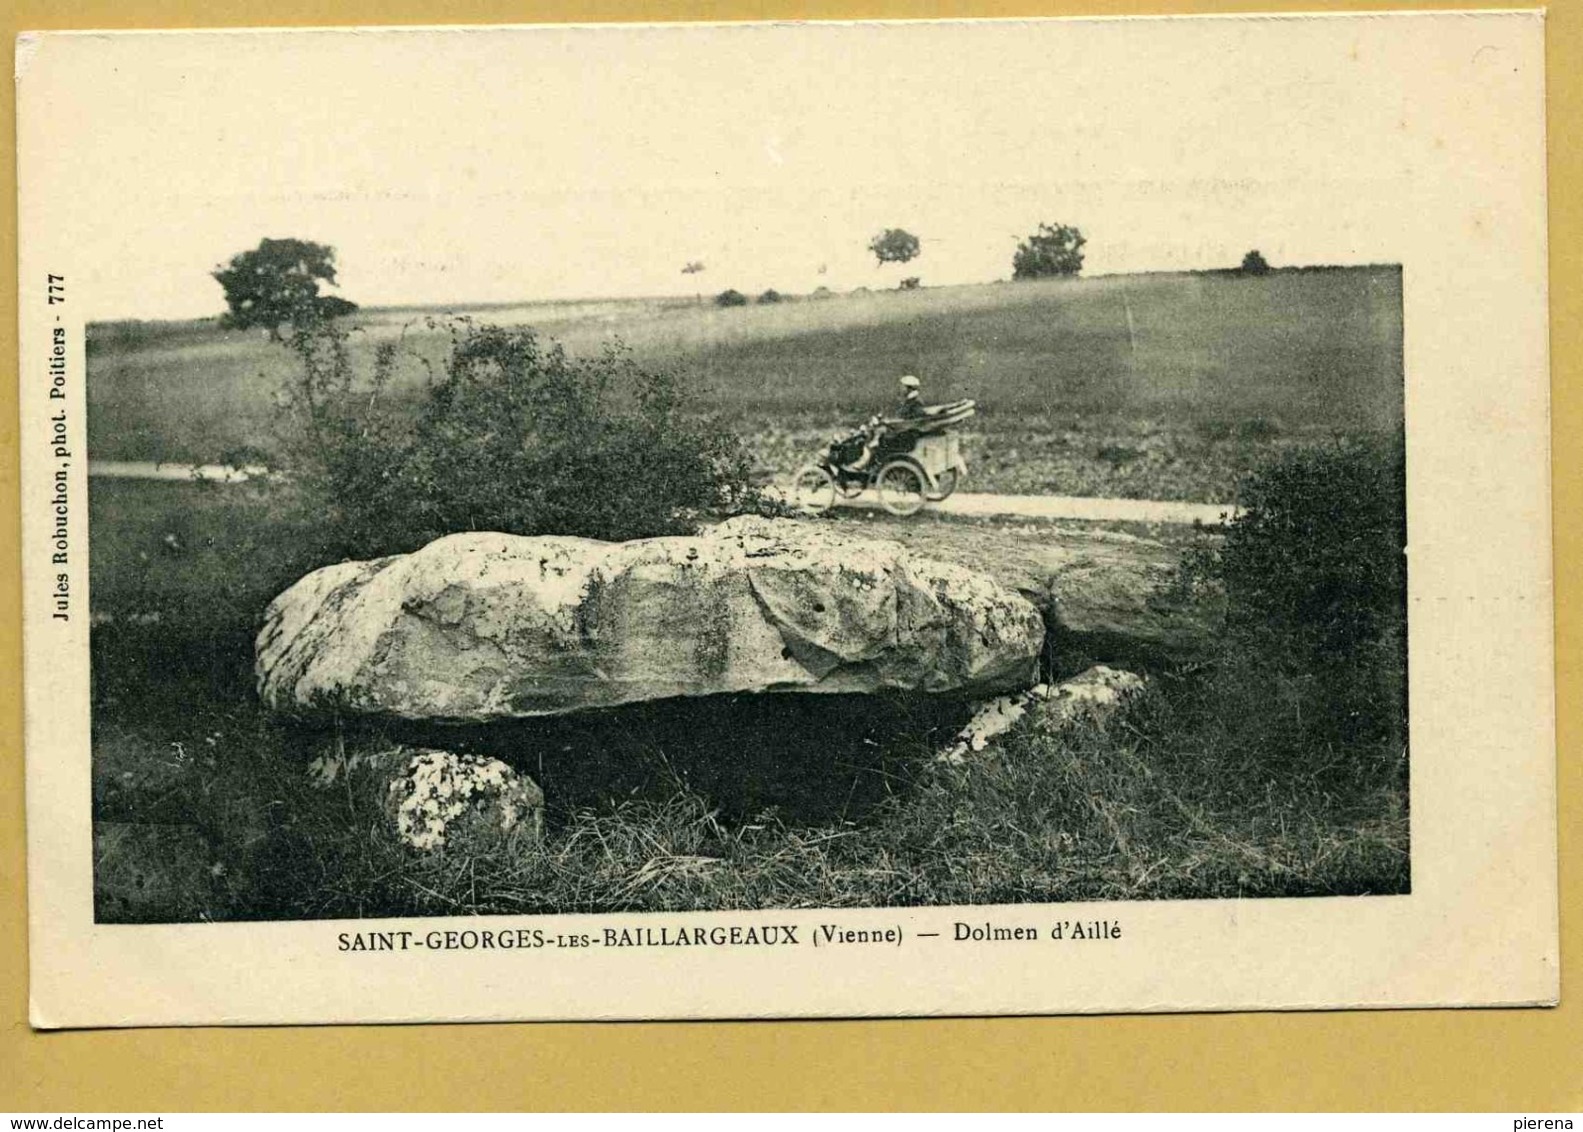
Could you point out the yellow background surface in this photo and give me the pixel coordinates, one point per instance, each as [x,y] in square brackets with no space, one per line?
[1526,1061]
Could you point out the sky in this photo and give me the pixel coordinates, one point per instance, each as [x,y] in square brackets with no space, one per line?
[507,165]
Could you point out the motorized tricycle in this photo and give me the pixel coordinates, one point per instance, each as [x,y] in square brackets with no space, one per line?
[908,461]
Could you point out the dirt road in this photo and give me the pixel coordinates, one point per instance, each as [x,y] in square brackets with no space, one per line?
[971,504]
[1072,507]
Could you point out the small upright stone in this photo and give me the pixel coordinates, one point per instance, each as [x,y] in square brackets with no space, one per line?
[1095,694]
[438,798]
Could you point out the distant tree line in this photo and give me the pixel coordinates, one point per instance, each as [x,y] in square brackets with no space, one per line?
[277,283]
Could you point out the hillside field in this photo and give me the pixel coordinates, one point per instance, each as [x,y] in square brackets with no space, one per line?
[1166,385]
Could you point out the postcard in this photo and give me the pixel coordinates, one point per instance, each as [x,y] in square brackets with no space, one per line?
[786,520]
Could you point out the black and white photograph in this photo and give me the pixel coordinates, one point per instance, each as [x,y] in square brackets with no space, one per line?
[931,504]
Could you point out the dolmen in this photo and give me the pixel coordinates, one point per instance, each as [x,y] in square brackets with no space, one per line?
[480,627]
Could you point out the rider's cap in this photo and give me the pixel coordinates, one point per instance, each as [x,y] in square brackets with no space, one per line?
[910,381]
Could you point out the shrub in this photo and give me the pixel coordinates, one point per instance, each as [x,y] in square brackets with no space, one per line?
[333,306]
[1254,263]
[771,296]
[514,436]
[1312,671]
[911,283]
[1317,554]
[731,297]
[1054,250]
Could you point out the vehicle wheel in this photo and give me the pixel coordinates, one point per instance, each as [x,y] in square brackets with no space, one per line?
[946,481]
[901,488]
[813,491]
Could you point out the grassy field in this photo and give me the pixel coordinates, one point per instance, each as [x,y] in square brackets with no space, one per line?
[1164,386]
[204,810]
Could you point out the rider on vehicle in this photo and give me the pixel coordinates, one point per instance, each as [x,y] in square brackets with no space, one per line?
[874,430]
[912,403]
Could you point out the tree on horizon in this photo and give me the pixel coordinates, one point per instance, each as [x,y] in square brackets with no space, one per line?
[277,283]
[1053,251]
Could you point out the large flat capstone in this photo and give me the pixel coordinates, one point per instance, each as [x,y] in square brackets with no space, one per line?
[477,627]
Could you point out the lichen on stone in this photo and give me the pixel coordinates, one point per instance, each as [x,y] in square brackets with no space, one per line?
[1095,694]
[439,789]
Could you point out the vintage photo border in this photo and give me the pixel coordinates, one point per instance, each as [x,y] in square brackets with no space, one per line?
[67,956]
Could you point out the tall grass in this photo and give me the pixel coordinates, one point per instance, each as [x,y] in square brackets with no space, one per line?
[1135,809]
